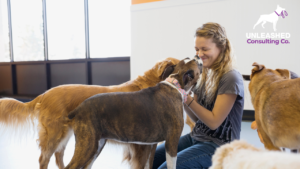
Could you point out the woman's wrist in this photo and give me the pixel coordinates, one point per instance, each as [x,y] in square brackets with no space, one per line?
[189,100]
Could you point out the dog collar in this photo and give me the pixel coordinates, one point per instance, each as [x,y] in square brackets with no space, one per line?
[177,85]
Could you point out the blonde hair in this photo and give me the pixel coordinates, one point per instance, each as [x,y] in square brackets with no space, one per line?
[210,78]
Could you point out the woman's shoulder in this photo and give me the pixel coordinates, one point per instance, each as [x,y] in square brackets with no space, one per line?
[232,82]
[232,75]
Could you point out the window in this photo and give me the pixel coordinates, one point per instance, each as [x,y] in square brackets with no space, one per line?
[109,26]
[66,29]
[27,30]
[108,29]
[4,34]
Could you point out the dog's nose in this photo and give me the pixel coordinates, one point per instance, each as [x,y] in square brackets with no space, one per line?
[196,57]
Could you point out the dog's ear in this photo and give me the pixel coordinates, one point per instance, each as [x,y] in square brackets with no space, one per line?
[160,67]
[284,73]
[257,68]
[169,70]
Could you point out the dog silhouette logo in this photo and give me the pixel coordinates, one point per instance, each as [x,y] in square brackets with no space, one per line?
[273,17]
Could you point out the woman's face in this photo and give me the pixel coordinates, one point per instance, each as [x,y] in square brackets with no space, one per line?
[207,51]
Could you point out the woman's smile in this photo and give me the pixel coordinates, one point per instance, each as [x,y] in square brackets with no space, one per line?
[207,51]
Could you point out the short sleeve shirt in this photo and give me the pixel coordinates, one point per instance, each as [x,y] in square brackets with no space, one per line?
[230,83]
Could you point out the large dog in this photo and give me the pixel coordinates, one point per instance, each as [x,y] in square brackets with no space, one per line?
[242,155]
[276,99]
[143,117]
[52,107]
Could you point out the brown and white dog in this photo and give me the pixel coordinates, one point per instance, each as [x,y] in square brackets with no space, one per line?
[144,117]
[52,107]
[276,100]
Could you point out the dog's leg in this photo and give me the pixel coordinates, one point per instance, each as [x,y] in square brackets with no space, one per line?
[45,158]
[47,147]
[171,150]
[59,155]
[267,141]
[102,143]
[51,141]
[88,144]
[139,156]
[149,164]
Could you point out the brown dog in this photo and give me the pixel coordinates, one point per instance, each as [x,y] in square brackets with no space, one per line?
[53,106]
[144,117]
[276,100]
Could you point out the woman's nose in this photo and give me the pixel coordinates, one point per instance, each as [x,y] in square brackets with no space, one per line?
[199,53]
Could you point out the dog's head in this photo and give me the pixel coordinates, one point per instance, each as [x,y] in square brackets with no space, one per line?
[223,153]
[157,72]
[187,72]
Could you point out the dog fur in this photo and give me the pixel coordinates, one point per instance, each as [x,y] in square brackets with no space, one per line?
[52,107]
[276,99]
[242,155]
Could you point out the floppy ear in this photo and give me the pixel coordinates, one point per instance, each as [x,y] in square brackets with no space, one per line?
[284,73]
[167,72]
[160,67]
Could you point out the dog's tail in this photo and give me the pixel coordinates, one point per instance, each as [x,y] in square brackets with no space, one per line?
[73,113]
[15,114]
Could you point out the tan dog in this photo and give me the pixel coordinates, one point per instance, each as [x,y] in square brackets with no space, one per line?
[53,106]
[276,100]
[241,155]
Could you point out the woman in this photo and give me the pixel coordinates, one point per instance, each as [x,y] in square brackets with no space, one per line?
[217,106]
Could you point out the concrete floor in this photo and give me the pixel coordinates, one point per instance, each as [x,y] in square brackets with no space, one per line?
[23,153]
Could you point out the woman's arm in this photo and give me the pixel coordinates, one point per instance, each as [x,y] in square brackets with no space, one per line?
[213,119]
[190,113]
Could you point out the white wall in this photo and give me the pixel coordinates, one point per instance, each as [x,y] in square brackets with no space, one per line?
[166,29]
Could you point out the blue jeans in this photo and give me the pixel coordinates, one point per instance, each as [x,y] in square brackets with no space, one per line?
[191,154]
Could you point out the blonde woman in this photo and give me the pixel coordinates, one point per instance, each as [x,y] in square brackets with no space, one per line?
[217,106]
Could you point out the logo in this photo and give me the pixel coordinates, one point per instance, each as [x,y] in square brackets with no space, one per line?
[273,18]
[269,38]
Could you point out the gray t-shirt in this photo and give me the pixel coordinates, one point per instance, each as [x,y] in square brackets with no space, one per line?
[229,130]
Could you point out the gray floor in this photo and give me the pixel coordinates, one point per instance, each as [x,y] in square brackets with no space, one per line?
[23,153]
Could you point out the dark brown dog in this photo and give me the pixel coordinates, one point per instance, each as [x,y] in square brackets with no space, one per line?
[144,117]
